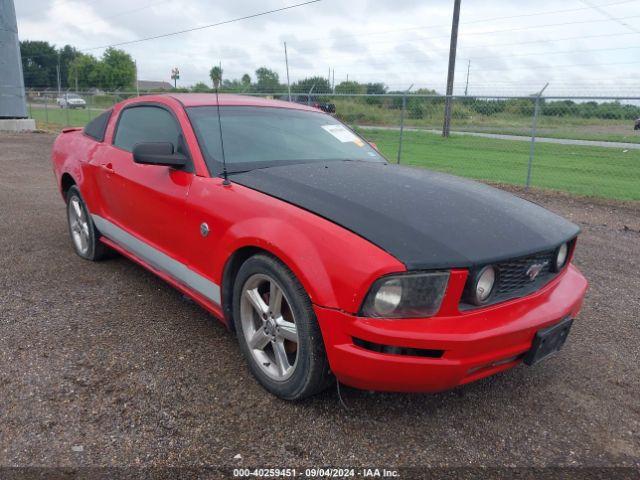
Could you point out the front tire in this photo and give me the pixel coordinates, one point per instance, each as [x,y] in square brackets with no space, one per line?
[83,232]
[278,331]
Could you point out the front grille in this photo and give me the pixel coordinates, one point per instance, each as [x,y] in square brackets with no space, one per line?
[513,280]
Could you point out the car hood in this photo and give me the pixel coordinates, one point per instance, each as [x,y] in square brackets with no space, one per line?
[425,219]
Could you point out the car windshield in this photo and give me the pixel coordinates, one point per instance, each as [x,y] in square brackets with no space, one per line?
[258,137]
[72,95]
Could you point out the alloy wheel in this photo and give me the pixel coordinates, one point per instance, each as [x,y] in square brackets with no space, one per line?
[269,326]
[79,225]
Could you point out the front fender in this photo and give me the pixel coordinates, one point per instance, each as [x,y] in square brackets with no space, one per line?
[291,245]
[335,266]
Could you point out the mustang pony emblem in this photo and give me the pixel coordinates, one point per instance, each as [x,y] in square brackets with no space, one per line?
[534,270]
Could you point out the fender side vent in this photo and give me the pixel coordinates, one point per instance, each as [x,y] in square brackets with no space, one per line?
[393,350]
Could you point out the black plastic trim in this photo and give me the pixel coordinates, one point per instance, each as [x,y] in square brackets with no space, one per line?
[393,350]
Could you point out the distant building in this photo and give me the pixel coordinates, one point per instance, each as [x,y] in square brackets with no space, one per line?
[153,85]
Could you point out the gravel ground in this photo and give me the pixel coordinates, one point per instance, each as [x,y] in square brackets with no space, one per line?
[103,364]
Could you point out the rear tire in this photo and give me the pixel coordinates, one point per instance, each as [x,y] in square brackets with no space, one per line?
[277,330]
[84,235]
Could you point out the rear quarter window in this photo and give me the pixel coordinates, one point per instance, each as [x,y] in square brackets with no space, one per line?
[97,127]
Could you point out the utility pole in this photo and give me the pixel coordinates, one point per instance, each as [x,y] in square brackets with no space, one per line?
[534,127]
[404,107]
[446,128]
[466,87]
[58,75]
[286,61]
[309,95]
[135,62]
[333,81]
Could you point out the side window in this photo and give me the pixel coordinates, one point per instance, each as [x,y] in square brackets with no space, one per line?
[97,127]
[146,124]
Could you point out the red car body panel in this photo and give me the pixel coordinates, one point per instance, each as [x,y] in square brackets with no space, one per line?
[476,344]
[164,208]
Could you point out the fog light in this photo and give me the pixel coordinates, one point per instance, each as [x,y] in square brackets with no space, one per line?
[484,284]
[561,256]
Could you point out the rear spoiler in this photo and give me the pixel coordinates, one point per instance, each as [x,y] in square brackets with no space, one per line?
[71,129]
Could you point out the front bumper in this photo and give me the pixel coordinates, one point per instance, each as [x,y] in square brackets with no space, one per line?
[474,344]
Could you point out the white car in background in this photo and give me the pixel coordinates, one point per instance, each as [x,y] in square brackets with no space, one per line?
[71,100]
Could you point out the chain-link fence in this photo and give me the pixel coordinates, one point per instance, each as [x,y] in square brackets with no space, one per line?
[584,146]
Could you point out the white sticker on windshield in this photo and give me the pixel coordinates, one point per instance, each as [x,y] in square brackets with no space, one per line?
[341,133]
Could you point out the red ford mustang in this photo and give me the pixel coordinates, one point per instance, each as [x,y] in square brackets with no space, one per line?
[326,260]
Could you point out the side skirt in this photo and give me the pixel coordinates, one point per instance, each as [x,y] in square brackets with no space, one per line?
[204,292]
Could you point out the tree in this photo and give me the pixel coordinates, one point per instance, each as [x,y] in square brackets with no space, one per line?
[39,60]
[84,67]
[268,81]
[116,70]
[246,81]
[320,85]
[216,76]
[67,55]
[351,87]
[200,87]
[376,88]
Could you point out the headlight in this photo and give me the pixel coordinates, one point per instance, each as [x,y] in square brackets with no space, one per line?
[481,288]
[561,256]
[406,296]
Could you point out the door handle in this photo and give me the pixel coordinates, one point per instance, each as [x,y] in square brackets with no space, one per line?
[108,167]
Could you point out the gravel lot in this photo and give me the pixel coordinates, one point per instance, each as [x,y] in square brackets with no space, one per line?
[104,364]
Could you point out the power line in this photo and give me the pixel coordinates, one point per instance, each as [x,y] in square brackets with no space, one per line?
[532,68]
[482,20]
[508,30]
[598,9]
[217,24]
[384,62]
[175,33]
[465,49]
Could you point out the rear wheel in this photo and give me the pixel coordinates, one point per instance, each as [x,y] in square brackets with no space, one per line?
[83,232]
[278,331]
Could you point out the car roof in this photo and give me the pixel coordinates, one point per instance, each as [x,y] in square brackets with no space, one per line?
[228,99]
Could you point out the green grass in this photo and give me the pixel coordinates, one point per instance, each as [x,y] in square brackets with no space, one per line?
[62,117]
[590,171]
[357,112]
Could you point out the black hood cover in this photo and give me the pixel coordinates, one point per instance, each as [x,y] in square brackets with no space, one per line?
[427,220]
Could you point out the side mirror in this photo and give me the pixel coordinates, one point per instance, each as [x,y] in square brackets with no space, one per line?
[158,153]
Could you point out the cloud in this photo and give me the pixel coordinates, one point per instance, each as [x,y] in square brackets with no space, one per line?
[399,42]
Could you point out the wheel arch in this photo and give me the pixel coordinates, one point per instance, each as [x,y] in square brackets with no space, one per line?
[301,258]
[66,182]
[229,274]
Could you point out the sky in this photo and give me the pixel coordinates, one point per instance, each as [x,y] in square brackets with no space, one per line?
[581,47]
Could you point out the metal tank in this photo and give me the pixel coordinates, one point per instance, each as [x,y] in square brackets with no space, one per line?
[12,96]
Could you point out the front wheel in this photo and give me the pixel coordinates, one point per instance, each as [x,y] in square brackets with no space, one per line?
[278,331]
